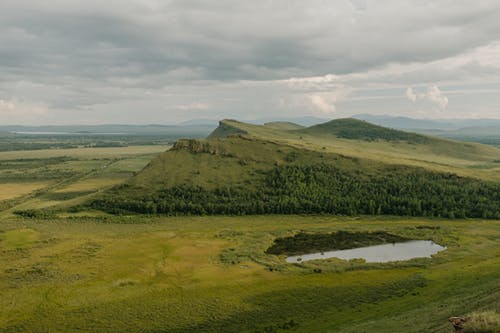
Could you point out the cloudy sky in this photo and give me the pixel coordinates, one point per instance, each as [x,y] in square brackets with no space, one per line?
[166,61]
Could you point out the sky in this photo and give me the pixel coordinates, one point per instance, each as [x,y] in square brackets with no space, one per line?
[152,61]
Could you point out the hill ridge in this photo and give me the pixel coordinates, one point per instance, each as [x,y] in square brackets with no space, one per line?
[226,128]
[351,128]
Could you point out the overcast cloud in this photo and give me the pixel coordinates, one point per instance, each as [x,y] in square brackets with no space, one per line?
[152,61]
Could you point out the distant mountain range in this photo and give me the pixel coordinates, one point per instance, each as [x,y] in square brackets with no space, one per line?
[486,131]
[427,124]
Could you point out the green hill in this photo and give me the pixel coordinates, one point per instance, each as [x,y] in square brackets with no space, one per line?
[242,175]
[344,166]
[350,128]
[355,138]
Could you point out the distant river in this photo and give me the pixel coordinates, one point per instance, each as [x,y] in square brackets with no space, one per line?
[378,253]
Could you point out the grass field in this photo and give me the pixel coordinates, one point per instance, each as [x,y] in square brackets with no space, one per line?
[61,178]
[14,190]
[89,184]
[210,274]
[84,152]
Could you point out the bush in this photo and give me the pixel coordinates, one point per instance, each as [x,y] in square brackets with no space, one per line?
[35,214]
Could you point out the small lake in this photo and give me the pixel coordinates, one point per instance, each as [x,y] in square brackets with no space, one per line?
[378,253]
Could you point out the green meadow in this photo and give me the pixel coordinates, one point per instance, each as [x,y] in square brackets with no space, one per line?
[211,274]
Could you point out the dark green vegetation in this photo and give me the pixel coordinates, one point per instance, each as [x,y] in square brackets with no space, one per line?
[267,178]
[303,242]
[35,213]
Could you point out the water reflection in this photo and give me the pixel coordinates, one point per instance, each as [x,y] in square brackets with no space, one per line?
[378,253]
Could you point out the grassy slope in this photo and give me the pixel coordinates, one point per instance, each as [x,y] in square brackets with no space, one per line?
[238,160]
[465,159]
[236,163]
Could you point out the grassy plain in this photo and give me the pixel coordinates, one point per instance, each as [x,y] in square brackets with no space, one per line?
[14,190]
[92,153]
[61,178]
[210,274]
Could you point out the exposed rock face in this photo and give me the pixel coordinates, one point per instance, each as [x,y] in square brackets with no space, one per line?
[197,146]
[458,323]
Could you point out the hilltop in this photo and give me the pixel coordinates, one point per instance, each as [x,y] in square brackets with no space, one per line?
[350,128]
[360,139]
[283,125]
[227,128]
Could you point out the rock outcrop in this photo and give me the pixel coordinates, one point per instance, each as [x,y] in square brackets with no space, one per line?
[458,323]
[198,146]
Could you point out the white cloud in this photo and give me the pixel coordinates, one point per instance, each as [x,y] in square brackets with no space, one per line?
[433,95]
[144,61]
[323,103]
[313,82]
[193,106]
[6,106]
[436,97]
[411,94]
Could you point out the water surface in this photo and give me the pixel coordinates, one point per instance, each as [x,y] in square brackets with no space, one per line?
[378,253]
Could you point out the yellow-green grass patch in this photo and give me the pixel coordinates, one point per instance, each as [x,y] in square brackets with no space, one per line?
[19,238]
[14,190]
[129,165]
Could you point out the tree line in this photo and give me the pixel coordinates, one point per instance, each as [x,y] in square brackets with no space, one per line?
[322,188]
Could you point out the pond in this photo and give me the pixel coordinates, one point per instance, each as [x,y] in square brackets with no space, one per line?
[378,253]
